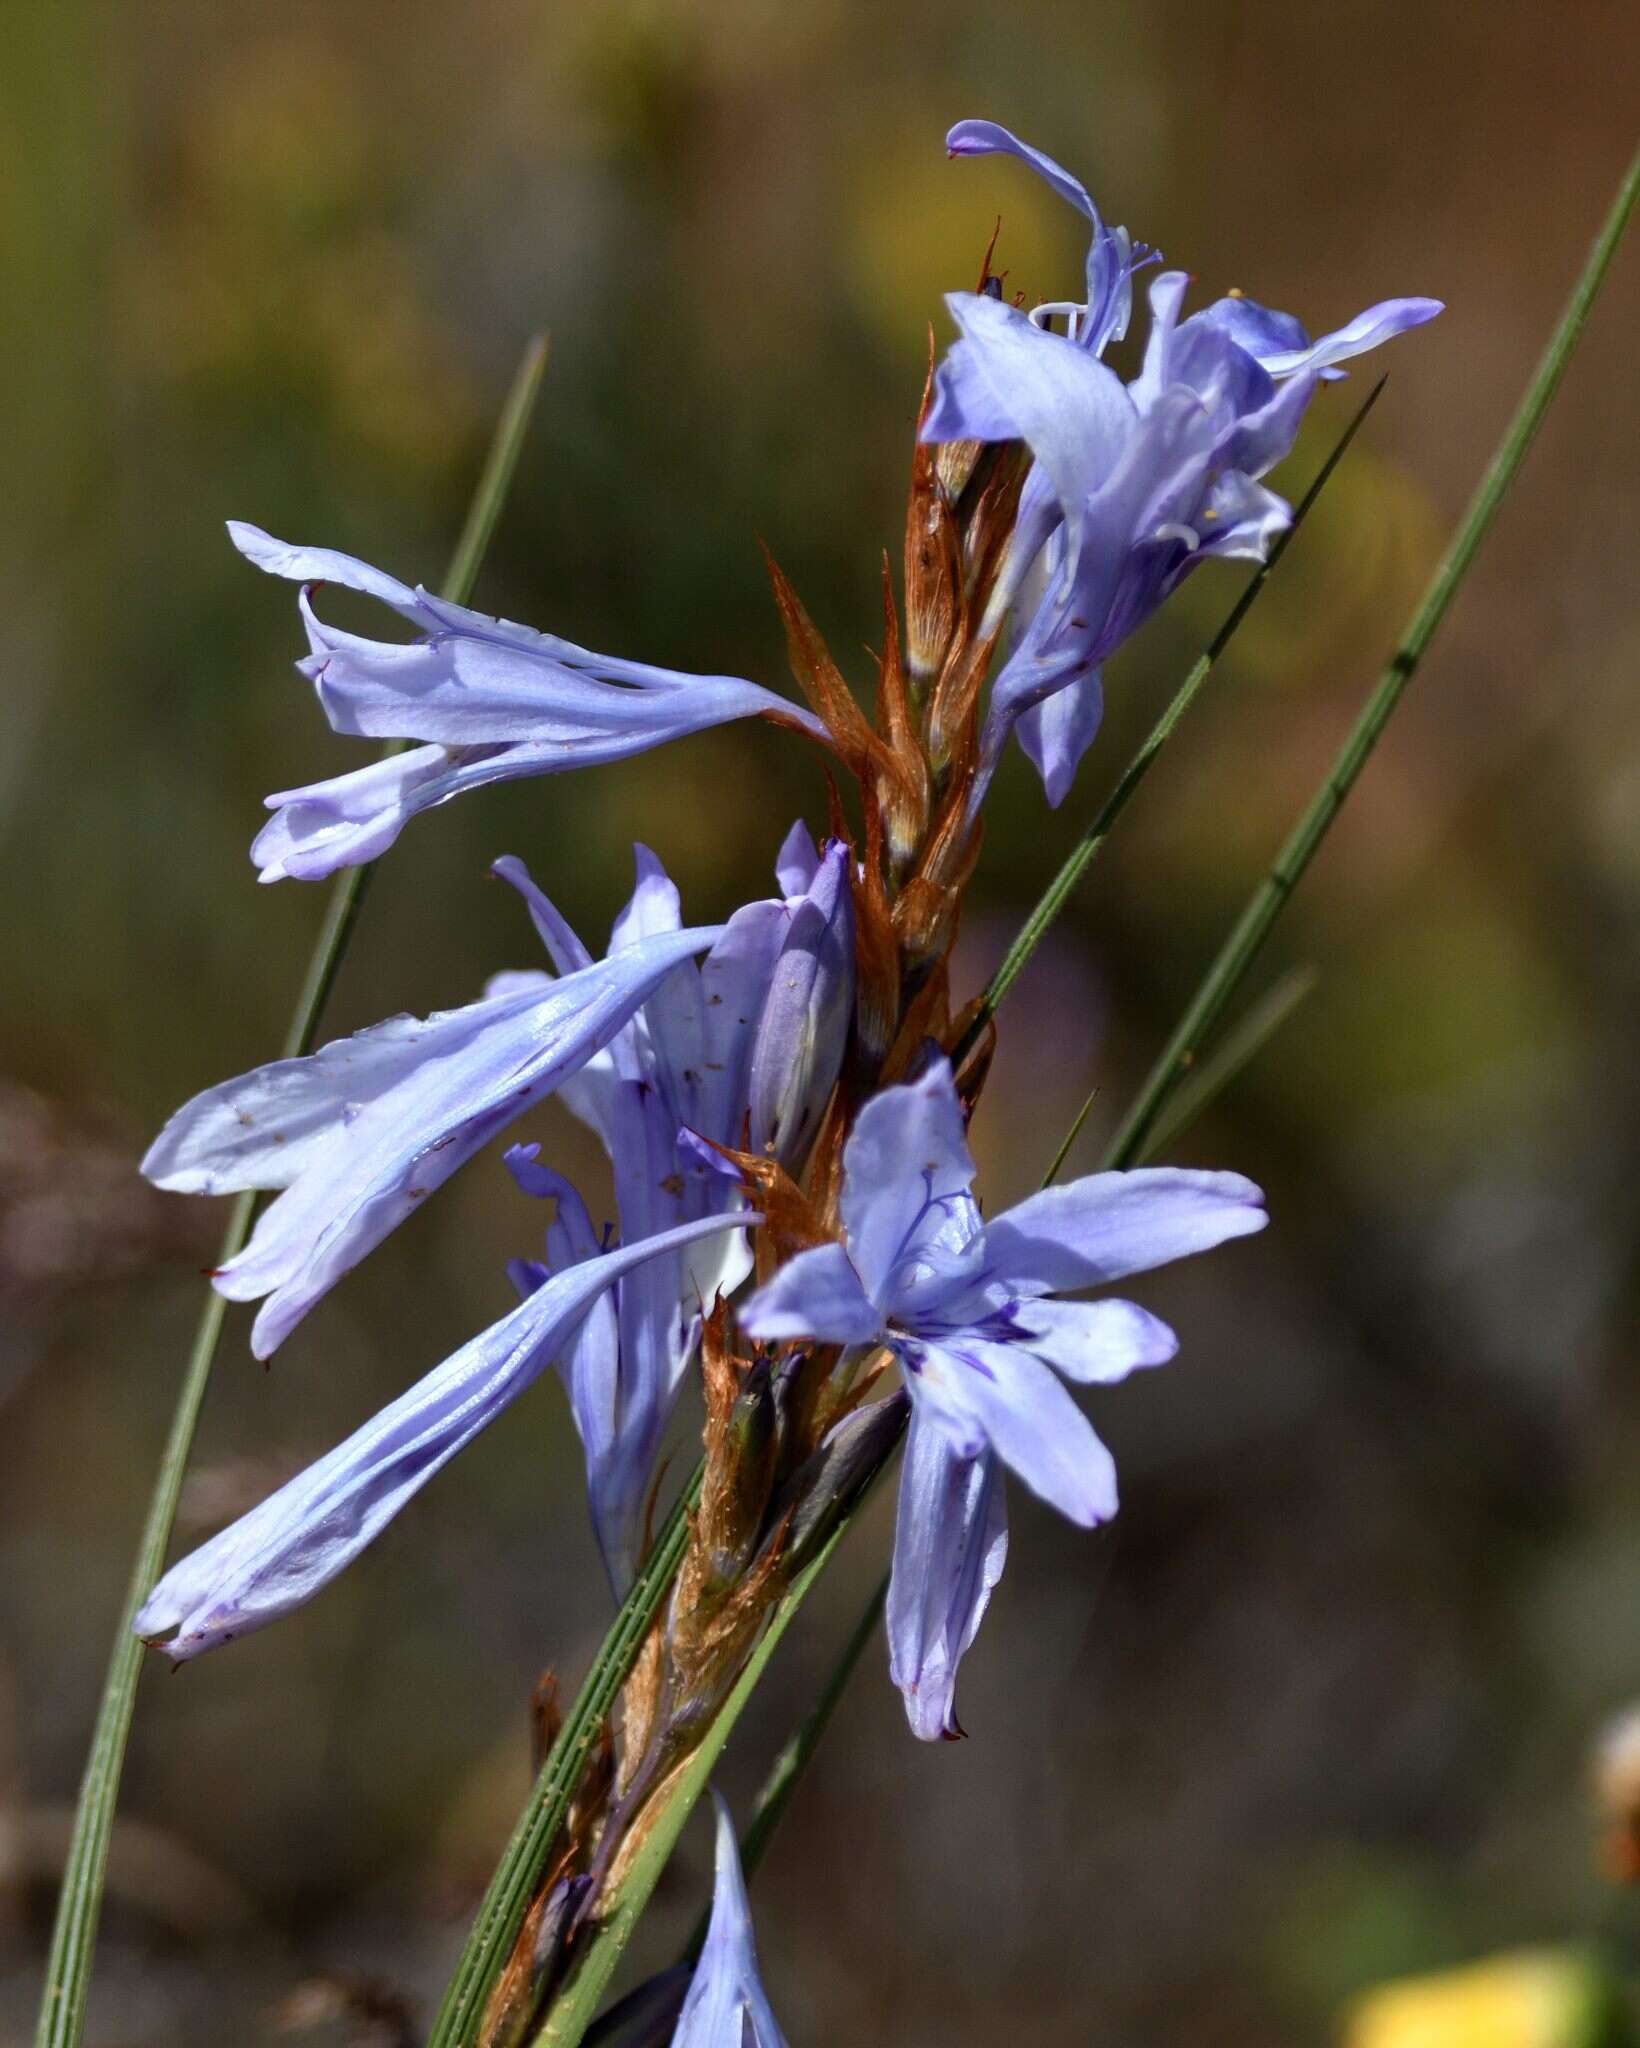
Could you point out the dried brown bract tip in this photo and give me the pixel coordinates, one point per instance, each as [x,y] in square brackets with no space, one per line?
[546,1716]
[876,957]
[903,797]
[972,1068]
[933,553]
[742,1444]
[954,465]
[641,1705]
[1617,1796]
[789,1222]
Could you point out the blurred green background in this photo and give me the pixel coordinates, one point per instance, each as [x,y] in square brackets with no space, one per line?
[1317,1708]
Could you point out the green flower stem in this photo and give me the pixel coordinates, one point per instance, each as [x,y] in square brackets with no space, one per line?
[1087,849]
[663,1817]
[524,1860]
[1265,905]
[79,1906]
[1236,1051]
[774,1794]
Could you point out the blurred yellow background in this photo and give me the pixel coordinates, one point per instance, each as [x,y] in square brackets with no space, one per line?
[1314,1711]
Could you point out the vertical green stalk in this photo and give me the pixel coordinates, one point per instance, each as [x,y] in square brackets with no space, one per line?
[1086,850]
[1252,928]
[79,1906]
[524,1860]
[774,1794]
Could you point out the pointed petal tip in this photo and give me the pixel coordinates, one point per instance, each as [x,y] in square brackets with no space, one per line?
[268,1332]
[159,1623]
[253,542]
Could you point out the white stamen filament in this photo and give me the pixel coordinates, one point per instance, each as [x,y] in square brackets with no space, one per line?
[1039,316]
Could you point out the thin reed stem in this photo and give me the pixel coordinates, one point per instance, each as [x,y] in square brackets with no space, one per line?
[1268,900]
[79,1906]
[1087,849]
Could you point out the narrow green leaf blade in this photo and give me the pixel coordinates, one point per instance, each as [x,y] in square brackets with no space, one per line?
[524,1860]
[1087,849]
[1235,1052]
[1268,900]
[79,1906]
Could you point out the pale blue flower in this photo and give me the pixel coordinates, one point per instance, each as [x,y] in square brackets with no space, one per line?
[359,1133]
[1133,485]
[494,700]
[280,1554]
[750,1040]
[727,2006]
[964,1306]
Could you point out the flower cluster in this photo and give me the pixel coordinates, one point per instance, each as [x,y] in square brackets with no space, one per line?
[776,1092]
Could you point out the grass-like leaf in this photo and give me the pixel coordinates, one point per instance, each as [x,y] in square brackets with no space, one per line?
[1087,849]
[1268,900]
[1235,1052]
[500,1915]
[571,2012]
[79,1906]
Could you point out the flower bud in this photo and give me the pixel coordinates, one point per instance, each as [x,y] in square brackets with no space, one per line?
[827,1484]
[739,1476]
[798,1052]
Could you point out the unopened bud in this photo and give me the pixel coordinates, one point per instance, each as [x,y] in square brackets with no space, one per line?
[827,1484]
[739,1476]
[798,1052]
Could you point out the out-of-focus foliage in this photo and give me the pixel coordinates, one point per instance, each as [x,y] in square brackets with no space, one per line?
[1535,1999]
[1314,1712]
